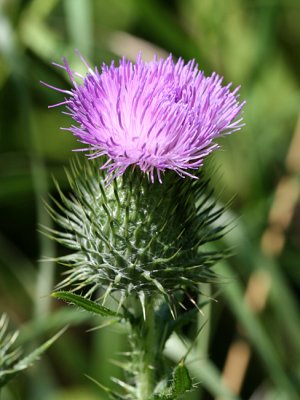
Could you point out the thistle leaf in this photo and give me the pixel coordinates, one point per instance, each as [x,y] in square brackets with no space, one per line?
[33,356]
[86,304]
[181,380]
[180,384]
[11,362]
[112,395]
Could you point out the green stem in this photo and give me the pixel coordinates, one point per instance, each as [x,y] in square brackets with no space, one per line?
[146,357]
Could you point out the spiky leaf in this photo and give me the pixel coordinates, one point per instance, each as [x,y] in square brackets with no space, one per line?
[86,304]
[11,361]
[179,385]
[181,380]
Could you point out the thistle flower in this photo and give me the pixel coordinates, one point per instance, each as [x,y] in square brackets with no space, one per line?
[143,243]
[133,236]
[158,115]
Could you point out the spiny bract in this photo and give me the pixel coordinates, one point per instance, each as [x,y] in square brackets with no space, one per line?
[133,236]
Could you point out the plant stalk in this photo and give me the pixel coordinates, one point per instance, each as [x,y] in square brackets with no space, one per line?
[146,358]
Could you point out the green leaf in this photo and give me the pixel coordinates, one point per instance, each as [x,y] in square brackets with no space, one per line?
[30,358]
[112,395]
[204,371]
[13,366]
[86,304]
[183,319]
[182,380]
[180,384]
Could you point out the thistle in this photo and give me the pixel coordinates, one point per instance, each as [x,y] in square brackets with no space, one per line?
[142,212]
[12,360]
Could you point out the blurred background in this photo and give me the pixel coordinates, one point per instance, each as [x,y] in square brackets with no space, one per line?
[250,348]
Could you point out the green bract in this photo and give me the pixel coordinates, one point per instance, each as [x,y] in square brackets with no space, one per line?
[134,236]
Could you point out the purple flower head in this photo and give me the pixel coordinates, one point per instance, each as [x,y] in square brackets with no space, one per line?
[156,115]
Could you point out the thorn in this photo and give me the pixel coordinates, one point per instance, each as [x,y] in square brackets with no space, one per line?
[121,301]
[195,304]
[107,292]
[142,301]
[182,305]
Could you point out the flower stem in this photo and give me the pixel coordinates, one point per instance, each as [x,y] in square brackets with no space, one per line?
[146,357]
